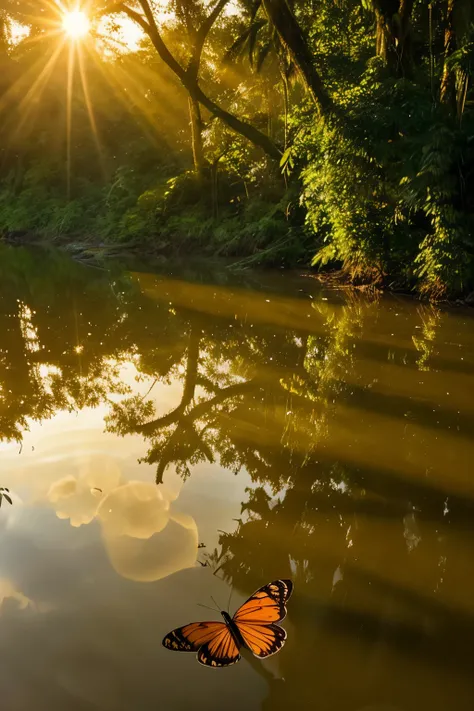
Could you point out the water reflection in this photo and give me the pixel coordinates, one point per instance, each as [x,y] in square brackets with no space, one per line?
[9,592]
[144,534]
[350,422]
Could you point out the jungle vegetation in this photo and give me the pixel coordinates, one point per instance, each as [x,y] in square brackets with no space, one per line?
[337,133]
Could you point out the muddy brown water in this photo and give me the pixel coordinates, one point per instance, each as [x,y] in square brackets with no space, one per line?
[171,437]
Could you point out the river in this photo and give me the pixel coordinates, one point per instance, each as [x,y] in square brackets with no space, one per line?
[166,438]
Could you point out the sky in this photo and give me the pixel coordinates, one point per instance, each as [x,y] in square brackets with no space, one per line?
[126,33]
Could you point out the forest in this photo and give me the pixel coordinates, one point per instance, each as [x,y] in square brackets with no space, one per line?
[336,134]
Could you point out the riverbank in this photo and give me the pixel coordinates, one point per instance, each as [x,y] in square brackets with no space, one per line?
[259,237]
[99,254]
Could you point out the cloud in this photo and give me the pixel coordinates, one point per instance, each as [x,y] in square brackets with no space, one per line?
[144,537]
[9,591]
[78,498]
[144,534]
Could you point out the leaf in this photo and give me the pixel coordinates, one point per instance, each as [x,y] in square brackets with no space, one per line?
[262,55]
[253,36]
[285,157]
[236,49]
[5,496]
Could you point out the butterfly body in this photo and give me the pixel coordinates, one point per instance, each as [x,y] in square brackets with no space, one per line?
[233,629]
[253,626]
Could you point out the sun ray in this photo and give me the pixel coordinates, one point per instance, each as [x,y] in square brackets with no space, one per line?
[70,84]
[145,122]
[37,39]
[37,88]
[133,97]
[32,72]
[90,111]
[58,10]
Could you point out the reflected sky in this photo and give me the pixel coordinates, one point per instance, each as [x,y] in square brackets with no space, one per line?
[168,437]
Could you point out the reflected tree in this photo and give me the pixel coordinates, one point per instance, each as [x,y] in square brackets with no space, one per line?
[254,396]
[5,495]
[358,454]
[376,584]
[67,331]
[430,317]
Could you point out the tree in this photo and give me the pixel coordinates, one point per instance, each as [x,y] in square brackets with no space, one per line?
[294,39]
[189,74]
[394,34]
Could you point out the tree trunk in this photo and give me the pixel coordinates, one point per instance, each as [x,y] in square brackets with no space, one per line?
[380,36]
[455,82]
[270,126]
[196,137]
[394,35]
[286,103]
[448,80]
[294,40]
[405,40]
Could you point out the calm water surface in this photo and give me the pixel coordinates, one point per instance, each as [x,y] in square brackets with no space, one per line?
[169,438]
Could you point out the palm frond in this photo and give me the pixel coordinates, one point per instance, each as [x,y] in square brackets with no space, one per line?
[253,38]
[262,54]
[246,40]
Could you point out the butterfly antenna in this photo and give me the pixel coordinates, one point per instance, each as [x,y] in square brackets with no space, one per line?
[215,603]
[230,598]
[206,606]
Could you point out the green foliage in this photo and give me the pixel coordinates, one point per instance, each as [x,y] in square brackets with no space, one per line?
[376,179]
[388,193]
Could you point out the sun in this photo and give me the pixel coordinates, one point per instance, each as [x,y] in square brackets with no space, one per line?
[76,24]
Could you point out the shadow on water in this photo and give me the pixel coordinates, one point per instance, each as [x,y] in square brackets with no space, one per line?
[361,491]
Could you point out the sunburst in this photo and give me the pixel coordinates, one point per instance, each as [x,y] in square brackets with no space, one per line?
[76,24]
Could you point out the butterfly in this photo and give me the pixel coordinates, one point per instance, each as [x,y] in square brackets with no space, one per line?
[253,626]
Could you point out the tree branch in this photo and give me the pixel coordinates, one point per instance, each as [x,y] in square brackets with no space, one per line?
[185,430]
[202,34]
[190,80]
[117,7]
[294,39]
[149,428]
[151,29]
[188,390]
[242,127]
[183,9]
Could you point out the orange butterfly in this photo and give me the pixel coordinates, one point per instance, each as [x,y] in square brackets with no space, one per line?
[253,626]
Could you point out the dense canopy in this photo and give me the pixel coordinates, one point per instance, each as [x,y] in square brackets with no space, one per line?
[275,131]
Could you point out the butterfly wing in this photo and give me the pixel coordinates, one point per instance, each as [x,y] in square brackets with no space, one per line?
[266,605]
[256,618]
[213,641]
[191,637]
[221,651]
[262,640]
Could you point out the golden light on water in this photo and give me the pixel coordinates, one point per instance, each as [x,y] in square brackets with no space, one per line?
[76,24]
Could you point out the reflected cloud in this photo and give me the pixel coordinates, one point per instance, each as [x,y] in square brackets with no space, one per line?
[9,592]
[78,499]
[136,509]
[145,539]
[145,536]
